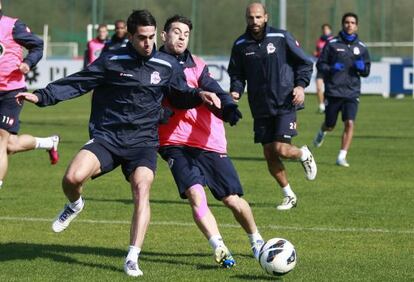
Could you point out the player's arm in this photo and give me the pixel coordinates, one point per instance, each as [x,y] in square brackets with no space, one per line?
[68,87]
[363,64]
[22,35]
[323,64]
[302,68]
[229,111]
[236,73]
[182,96]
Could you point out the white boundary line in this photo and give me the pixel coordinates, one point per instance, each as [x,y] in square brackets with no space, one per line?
[185,224]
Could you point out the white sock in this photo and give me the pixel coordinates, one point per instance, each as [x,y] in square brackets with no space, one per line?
[342,155]
[133,253]
[1,183]
[254,237]
[77,205]
[305,154]
[44,143]
[216,241]
[287,191]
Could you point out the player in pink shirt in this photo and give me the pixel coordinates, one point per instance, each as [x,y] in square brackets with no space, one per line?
[96,45]
[193,142]
[14,35]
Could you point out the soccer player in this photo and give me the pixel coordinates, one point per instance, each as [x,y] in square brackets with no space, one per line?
[14,35]
[120,37]
[95,46]
[193,143]
[277,71]
[325,37]
[343,61]
[129,84]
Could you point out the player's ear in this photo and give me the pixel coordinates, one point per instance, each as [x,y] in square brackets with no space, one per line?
[266,17]
[163,36]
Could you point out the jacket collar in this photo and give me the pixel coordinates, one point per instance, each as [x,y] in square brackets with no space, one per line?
[348,38]
[185,59]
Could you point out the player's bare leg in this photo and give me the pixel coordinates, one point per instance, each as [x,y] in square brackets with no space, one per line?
[25,142]
[346,143]
[141,180]
[277,170]
[83,166]
[244,216]
[319,95]
[207,224]
[4,137]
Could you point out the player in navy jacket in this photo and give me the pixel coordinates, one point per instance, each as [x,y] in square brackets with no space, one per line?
[129,85]
[276,71]
[343,61]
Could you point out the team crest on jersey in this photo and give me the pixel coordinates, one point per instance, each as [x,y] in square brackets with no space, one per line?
[2,50]
[155,77]
[270,48]
[356,51]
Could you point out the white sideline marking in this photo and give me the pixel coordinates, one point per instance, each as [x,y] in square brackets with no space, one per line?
[176,223]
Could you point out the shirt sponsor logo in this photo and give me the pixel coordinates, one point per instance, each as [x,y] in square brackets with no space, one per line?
[287,136]
[340,50]
[270,48]
[155,77]
[223,156]
[2,50]
[126,74]
[356,51]
[250,53]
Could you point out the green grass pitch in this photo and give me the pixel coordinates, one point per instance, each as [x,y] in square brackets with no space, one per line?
[351,224]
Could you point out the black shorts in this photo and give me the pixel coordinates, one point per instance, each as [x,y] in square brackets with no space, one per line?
[280,128]
[191,166]
[110,157]
[10,111]
[347,106]
[319,75]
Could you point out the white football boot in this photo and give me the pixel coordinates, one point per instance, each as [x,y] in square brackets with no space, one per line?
[288,203]
[223,257]
[319,138]
[309,165]
[256,248]
[342,162]
[65,217]
[131,268]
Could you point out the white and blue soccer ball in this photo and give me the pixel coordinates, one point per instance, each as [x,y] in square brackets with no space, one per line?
[277,256]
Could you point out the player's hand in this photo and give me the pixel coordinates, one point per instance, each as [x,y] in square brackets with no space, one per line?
[337,67]
[231,114]
[235,96]
[210,98]
[23,67]
[359,65]
[298,95]
[30,97]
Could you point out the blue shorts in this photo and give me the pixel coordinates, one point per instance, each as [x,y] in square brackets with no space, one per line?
[191,166]
[347,106]
[110,157]
[10,111]
[280,128]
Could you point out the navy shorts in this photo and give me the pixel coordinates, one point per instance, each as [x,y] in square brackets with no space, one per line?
[10,111]
[280,128]
[110,157]
[319,75]
[191,166]
[347,106]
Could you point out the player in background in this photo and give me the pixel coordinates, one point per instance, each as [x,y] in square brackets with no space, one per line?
[325,37]
[14,35]
[277,71]
[120,37]
[129,84]
[342,62]
[95,46]
[193,142]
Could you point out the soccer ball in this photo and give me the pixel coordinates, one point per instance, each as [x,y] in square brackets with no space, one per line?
[277,256]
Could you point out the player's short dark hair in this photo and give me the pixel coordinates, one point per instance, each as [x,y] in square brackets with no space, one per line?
[179,19]
[326,25]
[101,26]
[350,14]
[140,18]
[119,21]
